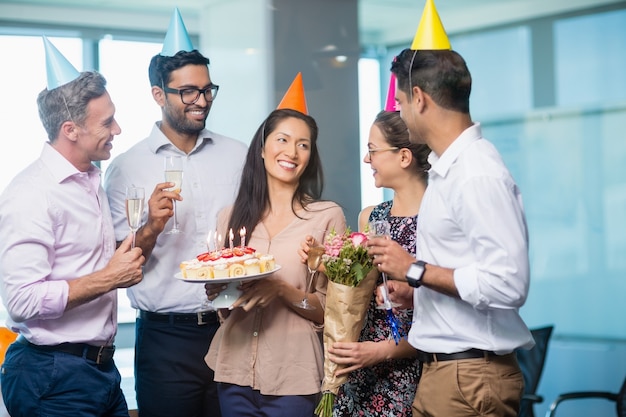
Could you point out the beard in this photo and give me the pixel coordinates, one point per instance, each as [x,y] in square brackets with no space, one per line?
[179,122]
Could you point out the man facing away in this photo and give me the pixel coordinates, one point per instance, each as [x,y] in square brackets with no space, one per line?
[59,266]
[176,322]
[472,272]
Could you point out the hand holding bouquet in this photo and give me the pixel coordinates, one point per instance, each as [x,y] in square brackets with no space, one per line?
[350,289]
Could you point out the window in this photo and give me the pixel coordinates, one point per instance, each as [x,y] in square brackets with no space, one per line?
[590,59]
[369,106]
[501,82]
[20,83]
[125,66]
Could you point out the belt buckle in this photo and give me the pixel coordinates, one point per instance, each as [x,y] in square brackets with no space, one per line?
[105,354]
[200,316]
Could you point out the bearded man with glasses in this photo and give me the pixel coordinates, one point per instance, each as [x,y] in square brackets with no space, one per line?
[176,322]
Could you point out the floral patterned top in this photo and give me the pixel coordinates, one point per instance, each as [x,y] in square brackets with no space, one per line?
[387,388]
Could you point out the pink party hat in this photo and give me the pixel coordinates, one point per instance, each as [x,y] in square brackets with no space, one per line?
[176,39]
[58,68]
[294,98]
[390,103]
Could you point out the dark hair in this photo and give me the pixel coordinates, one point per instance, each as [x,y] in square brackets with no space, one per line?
[69,102]
[253,197]
[396,134]
[442,74]
[162,66]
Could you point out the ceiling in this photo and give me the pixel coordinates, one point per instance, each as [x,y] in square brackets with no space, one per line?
[381,22]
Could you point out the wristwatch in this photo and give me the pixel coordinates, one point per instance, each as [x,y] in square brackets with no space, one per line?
[416,273]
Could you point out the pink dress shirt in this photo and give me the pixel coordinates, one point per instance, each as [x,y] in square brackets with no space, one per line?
[56,226]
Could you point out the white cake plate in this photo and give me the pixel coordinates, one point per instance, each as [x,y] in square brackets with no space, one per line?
[228,296]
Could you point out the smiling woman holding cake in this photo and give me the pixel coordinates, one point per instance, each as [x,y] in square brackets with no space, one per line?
[267,355]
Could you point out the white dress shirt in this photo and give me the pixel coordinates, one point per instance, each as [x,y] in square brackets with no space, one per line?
[211,175]
[472,220]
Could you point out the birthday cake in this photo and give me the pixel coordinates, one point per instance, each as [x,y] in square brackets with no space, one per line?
[227,263]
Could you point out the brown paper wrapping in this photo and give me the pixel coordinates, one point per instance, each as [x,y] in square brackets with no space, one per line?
[343,321]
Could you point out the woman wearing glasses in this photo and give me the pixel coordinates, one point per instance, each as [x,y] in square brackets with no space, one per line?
[383,376]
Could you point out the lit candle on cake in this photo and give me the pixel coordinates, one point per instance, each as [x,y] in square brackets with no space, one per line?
[218,241]
[231,236]
[242,234]
[208,242]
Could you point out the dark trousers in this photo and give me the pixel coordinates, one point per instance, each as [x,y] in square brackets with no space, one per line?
[171,377]
[57,384]
[238,401]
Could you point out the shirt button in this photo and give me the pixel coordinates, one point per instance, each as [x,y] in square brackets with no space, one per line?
[255,334]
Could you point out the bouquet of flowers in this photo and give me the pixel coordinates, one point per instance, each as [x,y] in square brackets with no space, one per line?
[350,288]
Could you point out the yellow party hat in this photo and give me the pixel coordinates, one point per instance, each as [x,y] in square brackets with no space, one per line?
[430,33]
[294,98]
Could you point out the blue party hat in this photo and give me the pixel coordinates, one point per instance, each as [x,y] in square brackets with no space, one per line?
[176,38]
[58,68]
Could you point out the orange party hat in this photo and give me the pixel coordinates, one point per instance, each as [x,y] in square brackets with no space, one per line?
[430,33]
[294,98]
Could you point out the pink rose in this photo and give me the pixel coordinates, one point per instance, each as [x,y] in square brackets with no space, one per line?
[358,239]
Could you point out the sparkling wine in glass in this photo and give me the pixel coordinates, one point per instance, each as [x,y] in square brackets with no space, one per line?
[316,251]
[174,173]
[134,209]
[382,228]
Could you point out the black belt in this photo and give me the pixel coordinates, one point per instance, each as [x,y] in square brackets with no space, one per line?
[199,318]
[98,354]
[439,357]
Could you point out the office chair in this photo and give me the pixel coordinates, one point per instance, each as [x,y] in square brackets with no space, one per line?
[619,398]
[531,363]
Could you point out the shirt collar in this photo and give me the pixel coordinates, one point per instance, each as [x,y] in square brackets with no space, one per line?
[61,168]
[441,164]
[158,140]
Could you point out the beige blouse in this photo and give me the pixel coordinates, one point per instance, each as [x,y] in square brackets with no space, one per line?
[274,349]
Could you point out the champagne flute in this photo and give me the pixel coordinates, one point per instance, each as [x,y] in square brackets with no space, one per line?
[316,251]
[134,209]
[382,228]
[174,173]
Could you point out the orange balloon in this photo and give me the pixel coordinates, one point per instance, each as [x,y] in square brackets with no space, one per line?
[6,338]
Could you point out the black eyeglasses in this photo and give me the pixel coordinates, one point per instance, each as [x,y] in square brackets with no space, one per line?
[191,95]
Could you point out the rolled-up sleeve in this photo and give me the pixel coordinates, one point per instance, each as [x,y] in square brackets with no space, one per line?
[498,237]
